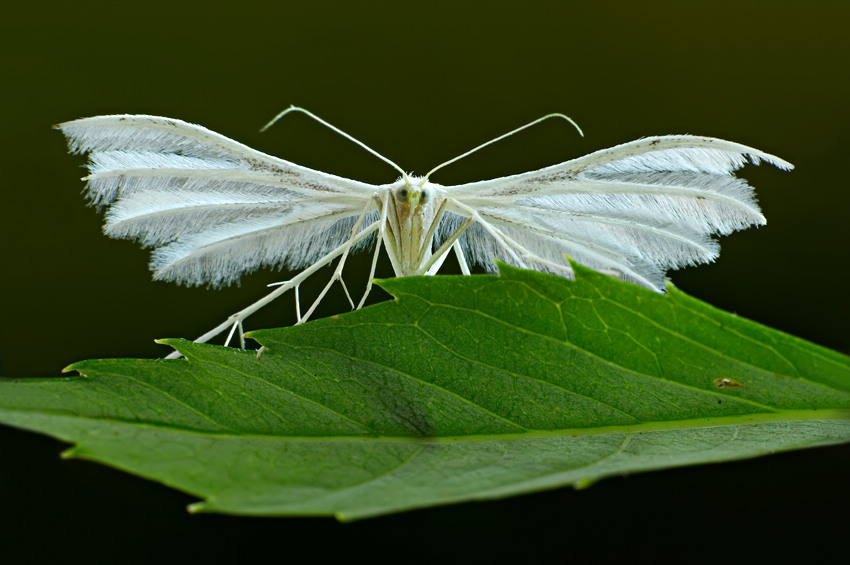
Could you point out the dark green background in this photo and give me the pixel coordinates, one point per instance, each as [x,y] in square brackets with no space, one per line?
[419,83]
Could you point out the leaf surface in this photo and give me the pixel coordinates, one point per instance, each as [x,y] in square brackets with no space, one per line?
[462,388]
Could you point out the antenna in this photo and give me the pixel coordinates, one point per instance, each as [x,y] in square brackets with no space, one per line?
[337,130]
[503,136]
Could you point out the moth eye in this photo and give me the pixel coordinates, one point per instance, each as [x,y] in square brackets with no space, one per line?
[401,194]
[425,197]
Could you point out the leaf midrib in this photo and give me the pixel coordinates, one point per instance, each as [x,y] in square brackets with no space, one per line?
[836,414]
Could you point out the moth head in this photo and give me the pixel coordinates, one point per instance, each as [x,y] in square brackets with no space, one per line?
[413,193]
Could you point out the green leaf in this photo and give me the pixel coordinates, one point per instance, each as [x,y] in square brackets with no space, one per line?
[463,388]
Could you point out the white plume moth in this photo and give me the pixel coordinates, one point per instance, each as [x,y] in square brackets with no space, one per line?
[214,209]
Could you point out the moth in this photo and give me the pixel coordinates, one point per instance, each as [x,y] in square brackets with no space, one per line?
[213,209]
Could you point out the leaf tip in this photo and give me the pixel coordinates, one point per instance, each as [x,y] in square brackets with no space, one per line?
[175,343]
[504,267]
[389,285]
[73,367]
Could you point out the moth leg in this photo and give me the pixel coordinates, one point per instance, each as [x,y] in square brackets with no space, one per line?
[371,272]
[507,241]
[503,241]
[437,264]
[337,276]
[427,241]
[230,335]
[492,230]
[292,283]
[529,256]
[380,237]
[241,336]
[325,290]
[440,254]
[347,294]
[611,273]
[461,258]
[298,303]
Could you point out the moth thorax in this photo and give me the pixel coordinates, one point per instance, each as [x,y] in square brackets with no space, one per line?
[414,207]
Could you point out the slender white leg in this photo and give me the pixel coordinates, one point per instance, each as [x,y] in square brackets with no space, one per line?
[391,224]
[506,242]
[425,244]
[298,303]
[230,335]
[500,237]
[347,294]
[437,264]
[294,282]
[337,276]
[464,266]
[497,235]
[394,260]
[531,256]
[380,238]
[440,254]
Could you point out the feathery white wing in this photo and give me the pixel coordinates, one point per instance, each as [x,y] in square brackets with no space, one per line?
[212,207]
[636,210]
